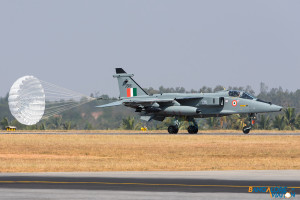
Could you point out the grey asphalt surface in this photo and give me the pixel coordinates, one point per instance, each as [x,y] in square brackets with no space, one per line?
[145,185]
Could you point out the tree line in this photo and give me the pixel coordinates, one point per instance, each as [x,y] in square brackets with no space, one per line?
[89,117]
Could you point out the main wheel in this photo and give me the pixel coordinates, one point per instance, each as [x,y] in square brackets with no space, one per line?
[176,129]
[195,130]
[192,129]
[173,129]
[246,130]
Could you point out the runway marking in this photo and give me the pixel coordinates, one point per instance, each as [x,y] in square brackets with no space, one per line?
[144,184]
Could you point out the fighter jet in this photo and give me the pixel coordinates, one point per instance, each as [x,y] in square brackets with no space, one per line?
[188,106]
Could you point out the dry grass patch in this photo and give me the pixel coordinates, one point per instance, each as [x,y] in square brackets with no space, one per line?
[43,153]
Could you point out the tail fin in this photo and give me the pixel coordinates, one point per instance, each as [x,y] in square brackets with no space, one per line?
[128,87]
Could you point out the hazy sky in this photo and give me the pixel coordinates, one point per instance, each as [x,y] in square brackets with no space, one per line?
[77,44]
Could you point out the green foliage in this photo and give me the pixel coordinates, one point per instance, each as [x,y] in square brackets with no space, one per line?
[279,122]
[290,116]
[4,122]
[88,126]
[213,122]
[129,123]
[265,122]
[297,122]
[235,122]
[68,125]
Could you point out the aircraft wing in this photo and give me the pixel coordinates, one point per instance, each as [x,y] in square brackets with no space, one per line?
[146,101]
[187,98]
[135,102]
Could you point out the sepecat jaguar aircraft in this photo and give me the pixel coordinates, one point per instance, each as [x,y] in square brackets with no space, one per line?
[188,106]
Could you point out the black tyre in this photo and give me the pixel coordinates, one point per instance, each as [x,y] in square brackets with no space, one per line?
[246,130]
[190,130]
[175,129]
[171,129]
[193,129]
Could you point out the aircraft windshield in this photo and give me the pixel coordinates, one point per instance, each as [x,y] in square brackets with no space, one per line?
[245,95]
[234,93]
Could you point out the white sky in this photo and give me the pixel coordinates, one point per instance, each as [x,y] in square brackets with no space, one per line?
[77,44]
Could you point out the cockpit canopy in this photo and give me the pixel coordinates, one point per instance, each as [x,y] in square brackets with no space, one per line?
[234,93]
[240,94]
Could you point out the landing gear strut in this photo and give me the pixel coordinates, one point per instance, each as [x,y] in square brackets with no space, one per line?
[252,118]
[193,129]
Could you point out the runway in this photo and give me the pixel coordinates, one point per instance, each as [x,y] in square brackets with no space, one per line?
[155,133]
[126,185]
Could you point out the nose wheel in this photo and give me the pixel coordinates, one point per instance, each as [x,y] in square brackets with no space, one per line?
[251,122]
[246,129]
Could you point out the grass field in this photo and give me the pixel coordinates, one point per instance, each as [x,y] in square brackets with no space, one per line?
[54,153]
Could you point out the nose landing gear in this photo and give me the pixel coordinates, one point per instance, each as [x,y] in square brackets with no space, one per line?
[246,129]
[251,122]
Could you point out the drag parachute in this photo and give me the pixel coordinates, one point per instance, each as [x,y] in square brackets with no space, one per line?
[31,100]
[27,100]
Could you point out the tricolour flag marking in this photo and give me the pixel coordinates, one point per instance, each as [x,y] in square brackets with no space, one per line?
[131,92]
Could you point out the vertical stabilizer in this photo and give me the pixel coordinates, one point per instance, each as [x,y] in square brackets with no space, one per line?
[127,86]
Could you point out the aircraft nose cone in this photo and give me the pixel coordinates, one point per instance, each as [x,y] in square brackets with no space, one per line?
[276,108]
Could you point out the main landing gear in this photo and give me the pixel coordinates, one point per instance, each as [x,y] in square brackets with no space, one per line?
[173,129]
[251,122]
[192,129]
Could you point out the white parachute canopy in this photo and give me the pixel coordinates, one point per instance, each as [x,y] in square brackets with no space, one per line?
[27,100]
[31,100]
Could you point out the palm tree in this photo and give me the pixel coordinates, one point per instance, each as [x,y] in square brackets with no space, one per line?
[42,126]
[235,122]
[264,122]
[212,122]
[223,121]
[183,125]
[129,124]
[279,122]
[290,117]
[4,122]
[68,125]
[297,121]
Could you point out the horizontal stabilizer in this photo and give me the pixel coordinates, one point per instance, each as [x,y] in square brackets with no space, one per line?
[116,103]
